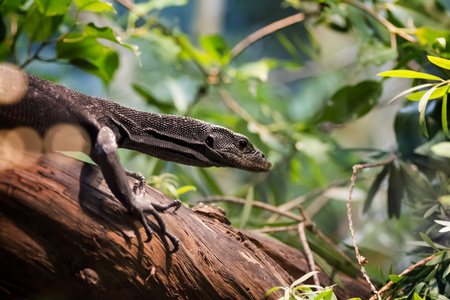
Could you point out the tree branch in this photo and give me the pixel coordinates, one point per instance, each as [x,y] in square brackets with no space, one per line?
[63,233]
[361,259]
[266,30]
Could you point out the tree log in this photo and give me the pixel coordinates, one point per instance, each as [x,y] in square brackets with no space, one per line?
[63,235]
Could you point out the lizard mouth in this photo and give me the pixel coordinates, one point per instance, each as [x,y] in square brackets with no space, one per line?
[254,161]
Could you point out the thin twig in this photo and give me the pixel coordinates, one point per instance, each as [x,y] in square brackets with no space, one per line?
[131,7]
[312,194]
[276,229]
[309,225]
[390,27]
[254,203]
[390,283]
[266,30]
[308,253]
[360,259]
[262,130]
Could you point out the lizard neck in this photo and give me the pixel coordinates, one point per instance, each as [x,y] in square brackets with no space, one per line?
[168,137]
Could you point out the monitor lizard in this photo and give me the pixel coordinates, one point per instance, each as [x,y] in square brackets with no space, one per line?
[110,126]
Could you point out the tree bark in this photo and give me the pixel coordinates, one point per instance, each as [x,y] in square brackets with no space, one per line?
[64,236]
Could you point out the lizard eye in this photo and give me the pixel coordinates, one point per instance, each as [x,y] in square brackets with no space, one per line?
[243,144]
[210,141]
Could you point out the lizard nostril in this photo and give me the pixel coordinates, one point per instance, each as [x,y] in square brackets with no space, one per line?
[263,156]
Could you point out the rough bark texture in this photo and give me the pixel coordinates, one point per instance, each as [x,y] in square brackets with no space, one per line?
[64,236]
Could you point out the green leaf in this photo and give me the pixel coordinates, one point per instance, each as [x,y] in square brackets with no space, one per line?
[288,46]
[444,113]
[428,241]
[324,295]
[352,102]
[407,129]
[444,200]
[375,186]
[430,211]
[159,4]
[89,55]
[303,278]
[442,149]
[409,74]
[39,26]
[210,181]
[416,182]
[216,48]
[436,260]
[273,290]
[439,92]
[90,30]
[8,6]
[395,278]
[414,88]
[422,109]
[94,5]
[430,36]
[259,69]
[440,62]
[247,207]
[446,272]
[396,190]
[376,53]
[431,275]
[417,297]
[50,8]
[145,93]
[189,51]
[431,12]
[185,189]
[85,52]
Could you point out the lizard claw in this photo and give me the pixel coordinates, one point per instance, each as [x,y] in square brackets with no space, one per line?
[139,183]
[154,210]
[147,228]
[175,242]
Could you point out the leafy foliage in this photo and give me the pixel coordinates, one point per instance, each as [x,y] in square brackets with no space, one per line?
[301,291]
[48,22]
[429,280]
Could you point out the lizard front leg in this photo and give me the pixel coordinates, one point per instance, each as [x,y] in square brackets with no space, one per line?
[106,156]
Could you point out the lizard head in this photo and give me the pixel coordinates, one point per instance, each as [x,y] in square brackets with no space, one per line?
[235,150]
[192,142]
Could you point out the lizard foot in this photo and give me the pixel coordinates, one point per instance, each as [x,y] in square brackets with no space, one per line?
[173,239]
[154,209]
